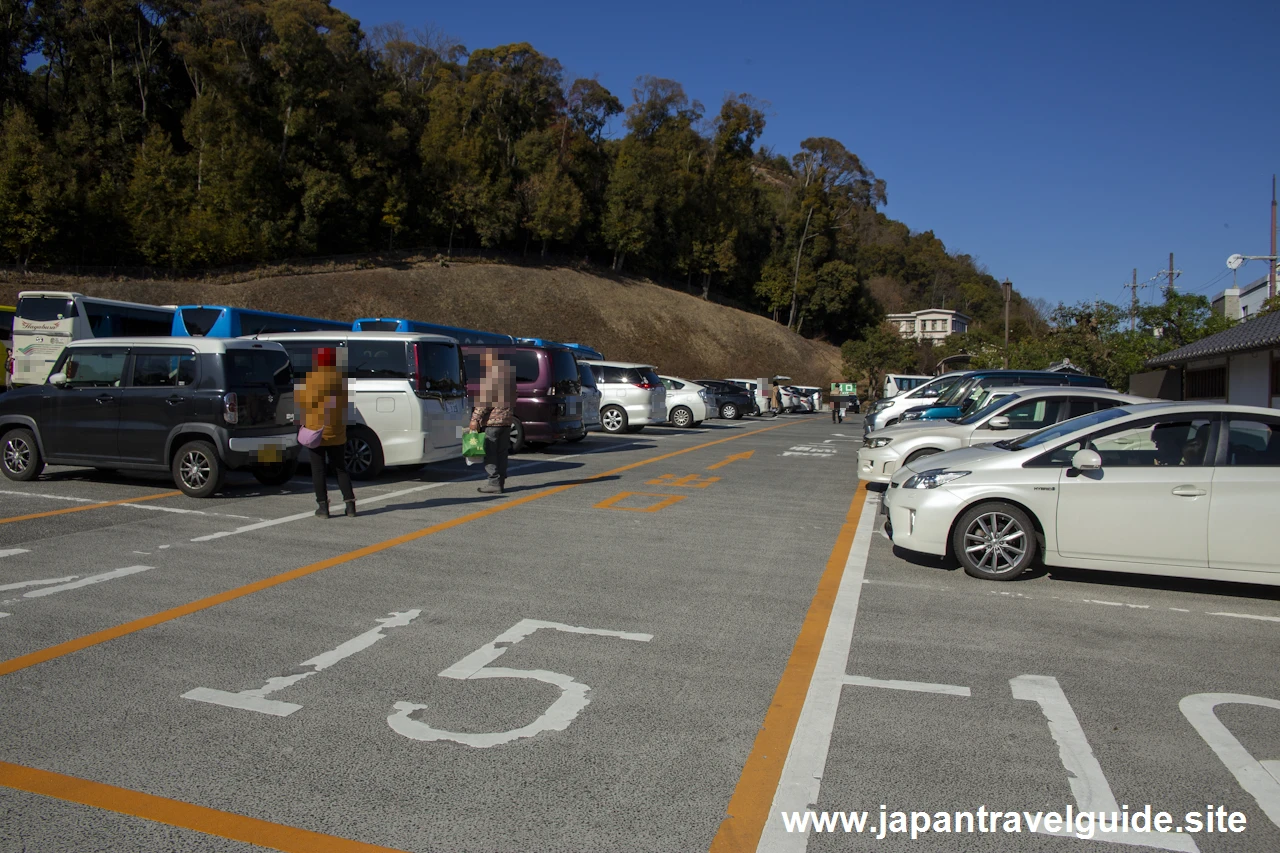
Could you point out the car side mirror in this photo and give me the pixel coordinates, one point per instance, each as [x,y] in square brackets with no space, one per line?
[1086,460]
[59,379]
[998,422]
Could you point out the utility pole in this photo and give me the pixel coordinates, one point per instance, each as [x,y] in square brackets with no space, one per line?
[1271,282]
[1171,272]
[1008,294]
[1133,303]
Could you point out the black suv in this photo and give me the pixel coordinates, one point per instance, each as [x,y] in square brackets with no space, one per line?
[734,401]
[196,407]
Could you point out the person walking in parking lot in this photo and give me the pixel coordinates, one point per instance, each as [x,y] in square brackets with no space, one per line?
[494,413]
[323,398]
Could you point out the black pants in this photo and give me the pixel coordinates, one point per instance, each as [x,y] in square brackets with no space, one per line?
[497,444]
[328,458]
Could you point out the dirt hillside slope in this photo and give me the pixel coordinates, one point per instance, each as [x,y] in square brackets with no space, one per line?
[625,319]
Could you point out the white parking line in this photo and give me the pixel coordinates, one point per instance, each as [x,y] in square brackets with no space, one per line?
[801,778]
[180,511]
[1249,616]
[914,686]
[24,584]
[11,552]
[48,497]
[88,581]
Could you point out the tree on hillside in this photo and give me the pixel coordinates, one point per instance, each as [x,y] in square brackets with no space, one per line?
[28,193]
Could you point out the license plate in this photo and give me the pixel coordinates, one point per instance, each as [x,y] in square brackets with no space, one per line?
[453,407]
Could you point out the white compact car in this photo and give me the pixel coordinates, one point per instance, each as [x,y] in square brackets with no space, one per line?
[1181,489]
[408,403]
[887,411]
[1009,414]
[688,403]
[631,395]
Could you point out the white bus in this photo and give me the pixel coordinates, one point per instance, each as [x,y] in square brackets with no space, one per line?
[48,320]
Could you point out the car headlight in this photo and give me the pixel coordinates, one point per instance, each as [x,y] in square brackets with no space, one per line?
[933,478]
[877,441]
[912,416]
[881,406]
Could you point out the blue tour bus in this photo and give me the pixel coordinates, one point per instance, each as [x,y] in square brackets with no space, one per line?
[580,351]
[222,321]
[401,324]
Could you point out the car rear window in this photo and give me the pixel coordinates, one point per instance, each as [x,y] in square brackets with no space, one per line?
[440,369]
[585,375]
[43,309]
[525,362]
[301,352]
[651,377]
[564,372]
[377,360]
[257,367]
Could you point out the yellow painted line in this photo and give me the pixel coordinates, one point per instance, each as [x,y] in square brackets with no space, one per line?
[98,637]
[237,827]
[692,481]
[749,806]
[734,458]
[667,500]
[84,507]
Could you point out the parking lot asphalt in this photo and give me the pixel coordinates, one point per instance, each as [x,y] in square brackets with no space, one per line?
[657,641]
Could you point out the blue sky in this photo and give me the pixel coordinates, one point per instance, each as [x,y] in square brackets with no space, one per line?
[1060,144]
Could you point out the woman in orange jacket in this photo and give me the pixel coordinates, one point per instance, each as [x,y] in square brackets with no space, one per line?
[323,399]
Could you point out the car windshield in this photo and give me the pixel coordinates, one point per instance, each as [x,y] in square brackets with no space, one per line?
[957,392]
[935,388]
[974,417]
[1052,433]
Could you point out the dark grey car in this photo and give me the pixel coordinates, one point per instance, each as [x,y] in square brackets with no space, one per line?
[195,407]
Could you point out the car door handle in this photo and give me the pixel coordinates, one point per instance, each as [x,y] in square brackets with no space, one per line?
[174,400]
[105,398]
[1189,492]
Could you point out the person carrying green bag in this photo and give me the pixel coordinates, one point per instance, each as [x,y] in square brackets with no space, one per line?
[473,446]
[494,413]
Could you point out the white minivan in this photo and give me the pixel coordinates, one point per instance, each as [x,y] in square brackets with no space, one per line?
[407,394]
[631,395]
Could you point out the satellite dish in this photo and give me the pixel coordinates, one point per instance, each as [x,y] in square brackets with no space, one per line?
[1235,262]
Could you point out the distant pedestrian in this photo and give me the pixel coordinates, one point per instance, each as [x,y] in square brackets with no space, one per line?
[323,399]
[494,413]
[837,414]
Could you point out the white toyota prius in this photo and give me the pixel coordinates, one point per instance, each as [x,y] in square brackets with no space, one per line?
[1181,489]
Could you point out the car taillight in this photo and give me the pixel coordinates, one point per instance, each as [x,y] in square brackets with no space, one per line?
[231,408]
[645,385]
[414,376]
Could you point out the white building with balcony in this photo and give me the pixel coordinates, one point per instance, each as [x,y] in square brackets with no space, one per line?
[930,324]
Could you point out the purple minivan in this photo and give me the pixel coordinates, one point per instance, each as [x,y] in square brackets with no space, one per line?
[548,392]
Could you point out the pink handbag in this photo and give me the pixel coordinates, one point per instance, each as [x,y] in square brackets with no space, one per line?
[310,437]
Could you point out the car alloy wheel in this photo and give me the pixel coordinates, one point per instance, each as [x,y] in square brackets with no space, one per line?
[729,412]
[359,455]
[613,419]
[996,543]
[17,455]
[195,469]
[682,417]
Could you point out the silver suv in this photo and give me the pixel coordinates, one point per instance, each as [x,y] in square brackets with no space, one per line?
[631,395]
